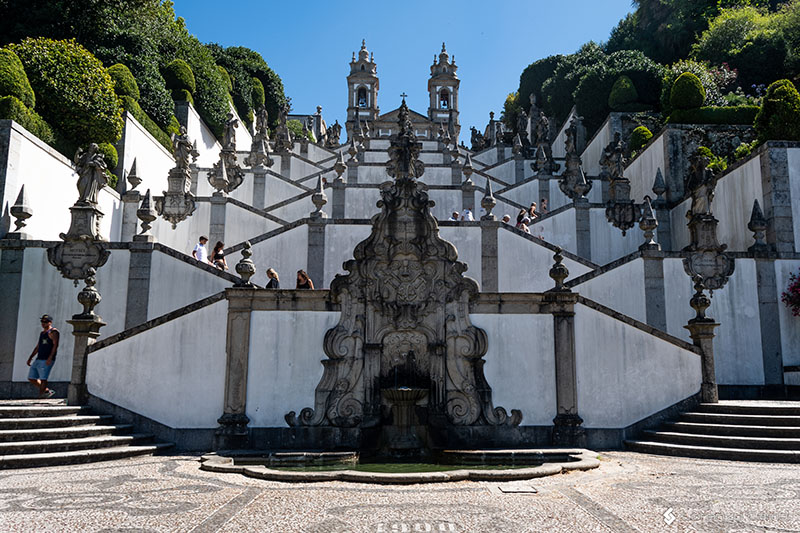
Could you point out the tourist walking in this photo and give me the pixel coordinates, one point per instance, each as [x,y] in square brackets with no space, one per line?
[543,206]
[532,213]
[200,251]
[45,352]
[218,256]
[303,281]
[506,219]
[466,215]
[274,282]
[454,217]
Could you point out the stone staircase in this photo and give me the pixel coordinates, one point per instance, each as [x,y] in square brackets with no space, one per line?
[48,432]
[765,431]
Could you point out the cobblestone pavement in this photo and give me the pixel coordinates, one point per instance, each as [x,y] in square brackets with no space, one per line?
[629,492]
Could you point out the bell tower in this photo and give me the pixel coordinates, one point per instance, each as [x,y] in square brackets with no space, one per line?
[443,90]
[362,90]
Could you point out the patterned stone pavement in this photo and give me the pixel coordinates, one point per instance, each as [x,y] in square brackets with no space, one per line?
[629,492]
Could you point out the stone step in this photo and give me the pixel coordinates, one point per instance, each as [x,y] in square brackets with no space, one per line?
[71,432]
[710,452]
[67,445]
[741,419]
[79,456]
[38,411]
[752,408]
[735,430]
[723,441]
[53,421]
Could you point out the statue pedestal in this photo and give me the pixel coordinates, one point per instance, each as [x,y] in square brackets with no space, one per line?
[702,333]
[85,221]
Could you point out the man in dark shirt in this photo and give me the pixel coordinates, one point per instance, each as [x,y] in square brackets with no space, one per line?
[45,353]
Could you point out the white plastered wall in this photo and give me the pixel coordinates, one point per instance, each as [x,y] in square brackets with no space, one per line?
[558,229]
[173,373]
[45,291]
[184,237]
[733,204]
[153,161]
[608,244]
[591,155]
[625,374]
[520,364]
[467,241]
[207,144]
[175,283]
[621,289]
[340,241]
[284,366]
[642,170]
[242,224]
[286,253]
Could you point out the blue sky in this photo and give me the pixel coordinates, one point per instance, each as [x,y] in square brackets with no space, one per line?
[310,43]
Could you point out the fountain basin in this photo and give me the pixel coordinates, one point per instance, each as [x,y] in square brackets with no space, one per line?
[527,464]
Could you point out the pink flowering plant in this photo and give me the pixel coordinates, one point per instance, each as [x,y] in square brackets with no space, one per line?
[791,297]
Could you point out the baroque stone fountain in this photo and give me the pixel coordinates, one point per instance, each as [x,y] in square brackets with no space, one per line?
[404,364]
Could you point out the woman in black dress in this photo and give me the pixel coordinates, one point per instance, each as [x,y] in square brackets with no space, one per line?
[218,256]
[303,281]
[274,282]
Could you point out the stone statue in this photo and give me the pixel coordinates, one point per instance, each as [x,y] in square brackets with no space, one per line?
[183,149]
[283,115]
[522,125]
[702,183]
[262,122]
[229,134]
[616,158]
[91,168]
[571,133]
[478,142]
[332,135]
[542,128]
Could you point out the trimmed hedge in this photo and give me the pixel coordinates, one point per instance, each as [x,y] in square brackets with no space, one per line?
[622,92]
[12,108]
[715,115]
[639,138]
[110,155]
[124,82]
[13,80]
[259,97]
[75,92]
[226,77]
[132,106]
[687,92]
[179,77]
[779,116]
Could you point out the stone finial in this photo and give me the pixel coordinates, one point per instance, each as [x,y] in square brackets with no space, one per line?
[488,202]
[245,267]
[758,225]
[319,198]
[146,213]
[467,169]
[21,211]
[353,149]
[659,186]
[559,272]
[132,177]
[648,225]
[340,166]
[516,146]
[218,178]
[700,302]
[89,297]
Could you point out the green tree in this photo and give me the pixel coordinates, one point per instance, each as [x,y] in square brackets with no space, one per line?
[558,91]
[533,77]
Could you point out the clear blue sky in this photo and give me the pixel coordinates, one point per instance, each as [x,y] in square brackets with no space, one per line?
[310,43]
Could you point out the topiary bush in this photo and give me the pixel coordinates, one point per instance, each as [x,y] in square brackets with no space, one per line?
[715,80]
[744,115]
[226,77]
[779,116]
[13,80]
[75,92]
[687,92]
[639,138]
[111,158]
[124,82]
[179,77]
[258,93]
[12,108]
[622,92]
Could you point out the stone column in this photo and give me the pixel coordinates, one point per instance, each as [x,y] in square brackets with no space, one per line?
[519,168]
[768,307]
[654,295]
[130,203]
[315,266]
[139,273]
[468,197]
[85,331]
[456,176]
[339,198]
[702,334]
[216,230]
[352,171]
[777,199]
[11,263]
[286,164]
[568,430]
[544,189]
[583,235]
[664,230]
[259,188]
[232,432]
[490,277]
